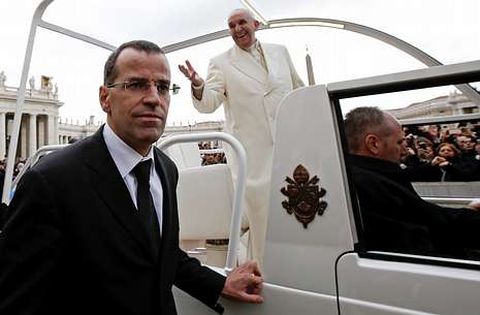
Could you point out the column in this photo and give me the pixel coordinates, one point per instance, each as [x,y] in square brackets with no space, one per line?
[56,128]
[32,134]
[3,136]
[51,139]
[310,75]
[41,131]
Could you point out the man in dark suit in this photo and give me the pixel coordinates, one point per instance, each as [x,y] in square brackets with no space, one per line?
[87,234]
[395,217]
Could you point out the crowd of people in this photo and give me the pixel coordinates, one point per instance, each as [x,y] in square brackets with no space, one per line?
[211,158]
[443,153]
[19,164]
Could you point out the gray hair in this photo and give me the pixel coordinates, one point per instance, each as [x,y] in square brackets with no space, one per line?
[364,120]
[247,12]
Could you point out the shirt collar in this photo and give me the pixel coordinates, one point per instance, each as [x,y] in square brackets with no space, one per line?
[255,47]
[123,155]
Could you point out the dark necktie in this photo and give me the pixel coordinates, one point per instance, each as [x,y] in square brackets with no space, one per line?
[145,205]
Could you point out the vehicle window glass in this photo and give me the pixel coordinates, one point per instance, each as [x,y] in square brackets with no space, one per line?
[415,170]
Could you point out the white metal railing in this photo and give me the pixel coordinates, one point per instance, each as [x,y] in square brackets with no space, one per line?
[212,151]
[439,119]
[31,161]
[237,207]
[452,201]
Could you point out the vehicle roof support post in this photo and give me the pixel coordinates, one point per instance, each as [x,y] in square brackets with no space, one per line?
[36,22]
[12,148]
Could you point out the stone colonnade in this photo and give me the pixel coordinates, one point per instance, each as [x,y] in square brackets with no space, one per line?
[62,139]
[36,130]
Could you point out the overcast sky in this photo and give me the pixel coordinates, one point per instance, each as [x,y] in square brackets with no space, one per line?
[447,30]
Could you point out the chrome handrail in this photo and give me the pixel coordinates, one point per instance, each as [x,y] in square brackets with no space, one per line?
[32,160]
[237,209]
[449,200]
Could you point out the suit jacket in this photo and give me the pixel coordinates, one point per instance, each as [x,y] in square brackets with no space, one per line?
[73,245]
[250,96]
[397,219]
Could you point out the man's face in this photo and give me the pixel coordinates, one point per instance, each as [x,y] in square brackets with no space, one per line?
[138,116]
[433,130]
[392,147]
[477,147]
[464,143]
[242,28]
[425,150]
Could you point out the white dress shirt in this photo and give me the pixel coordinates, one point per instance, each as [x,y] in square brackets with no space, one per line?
[126,159]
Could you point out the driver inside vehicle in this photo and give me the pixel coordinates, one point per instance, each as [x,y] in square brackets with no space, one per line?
[395,217]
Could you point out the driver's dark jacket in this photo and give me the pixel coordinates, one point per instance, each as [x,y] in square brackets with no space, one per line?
[395,218]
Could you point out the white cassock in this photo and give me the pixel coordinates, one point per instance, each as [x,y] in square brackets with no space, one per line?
[250,96]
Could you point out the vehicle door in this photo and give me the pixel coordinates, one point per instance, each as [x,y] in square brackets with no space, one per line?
[399,282]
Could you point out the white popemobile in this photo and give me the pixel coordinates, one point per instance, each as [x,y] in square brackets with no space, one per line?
[314,261]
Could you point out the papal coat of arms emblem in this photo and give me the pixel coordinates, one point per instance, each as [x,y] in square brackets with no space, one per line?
[304,196]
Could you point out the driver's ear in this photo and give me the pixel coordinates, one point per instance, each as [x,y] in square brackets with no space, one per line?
[372,144]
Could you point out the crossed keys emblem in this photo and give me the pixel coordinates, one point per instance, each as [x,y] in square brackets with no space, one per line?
[304,196]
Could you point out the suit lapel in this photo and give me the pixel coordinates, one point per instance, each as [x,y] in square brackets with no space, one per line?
[107,181]
[245,63]
[272,58]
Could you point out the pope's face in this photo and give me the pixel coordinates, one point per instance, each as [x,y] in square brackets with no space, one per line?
[242,28]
